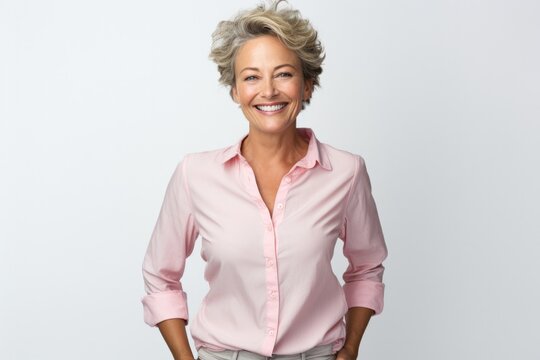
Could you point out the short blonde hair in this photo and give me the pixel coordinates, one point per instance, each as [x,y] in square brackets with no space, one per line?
[286,24]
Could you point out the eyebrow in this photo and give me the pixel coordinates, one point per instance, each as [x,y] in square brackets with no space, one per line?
[276,68]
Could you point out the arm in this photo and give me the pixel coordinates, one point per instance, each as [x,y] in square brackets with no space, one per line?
[174,334]
[357,319]
[172,241]
[365,248]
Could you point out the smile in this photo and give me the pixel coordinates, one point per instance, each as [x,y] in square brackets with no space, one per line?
[271,108]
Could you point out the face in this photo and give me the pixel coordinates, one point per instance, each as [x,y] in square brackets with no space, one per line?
[269,85]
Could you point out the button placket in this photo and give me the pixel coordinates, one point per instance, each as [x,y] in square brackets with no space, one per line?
[272,307]
[270,224]
[273,294]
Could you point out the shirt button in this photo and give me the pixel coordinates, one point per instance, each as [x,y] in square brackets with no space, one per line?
[287,179]
[269,262]
[269,227]
[270,332]
[280,206]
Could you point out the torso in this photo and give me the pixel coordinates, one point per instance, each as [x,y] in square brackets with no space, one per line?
[237,239]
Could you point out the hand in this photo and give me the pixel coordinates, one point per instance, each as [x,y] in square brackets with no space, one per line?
[346,354]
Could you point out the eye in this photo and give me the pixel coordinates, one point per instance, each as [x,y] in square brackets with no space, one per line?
[284,74]
[250,78]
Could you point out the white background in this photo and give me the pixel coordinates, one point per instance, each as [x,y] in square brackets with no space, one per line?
[100,99]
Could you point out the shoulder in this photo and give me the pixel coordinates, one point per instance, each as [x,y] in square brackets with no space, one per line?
[213,155]
[342,160]
[204,162]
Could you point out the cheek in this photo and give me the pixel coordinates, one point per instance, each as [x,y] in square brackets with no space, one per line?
[296,91]
[245,94]
[295,88]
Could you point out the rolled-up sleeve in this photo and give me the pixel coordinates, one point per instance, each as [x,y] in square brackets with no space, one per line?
[171,242]
[363,245]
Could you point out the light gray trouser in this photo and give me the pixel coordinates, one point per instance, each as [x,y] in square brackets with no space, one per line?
[321,352]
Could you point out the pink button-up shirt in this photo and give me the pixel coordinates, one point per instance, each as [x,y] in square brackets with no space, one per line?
[272,288]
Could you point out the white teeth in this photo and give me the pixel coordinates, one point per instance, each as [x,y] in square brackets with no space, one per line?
[270,107]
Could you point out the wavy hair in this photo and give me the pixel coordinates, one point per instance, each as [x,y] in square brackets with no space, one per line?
[287,24]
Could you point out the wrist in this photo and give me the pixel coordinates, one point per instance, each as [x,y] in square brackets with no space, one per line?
[351,349]
[184,357]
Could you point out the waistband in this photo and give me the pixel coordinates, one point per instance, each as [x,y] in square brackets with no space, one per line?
[320,351]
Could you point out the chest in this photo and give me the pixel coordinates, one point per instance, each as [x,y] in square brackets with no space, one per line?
[235,224]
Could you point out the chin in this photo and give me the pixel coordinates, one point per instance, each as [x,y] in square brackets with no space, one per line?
[274,127]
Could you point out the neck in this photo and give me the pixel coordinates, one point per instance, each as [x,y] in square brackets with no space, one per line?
[274,149]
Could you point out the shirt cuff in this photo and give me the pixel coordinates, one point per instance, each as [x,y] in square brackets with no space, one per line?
[368,294]
[165,305]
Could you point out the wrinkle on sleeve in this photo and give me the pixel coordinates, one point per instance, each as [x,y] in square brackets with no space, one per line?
[363,245]
[171,242]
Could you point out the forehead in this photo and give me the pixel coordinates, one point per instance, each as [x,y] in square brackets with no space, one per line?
[264,51]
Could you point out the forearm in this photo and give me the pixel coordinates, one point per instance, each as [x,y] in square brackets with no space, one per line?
[356,319]
[174,334]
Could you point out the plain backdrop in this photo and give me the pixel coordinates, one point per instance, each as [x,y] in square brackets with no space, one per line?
[100,99]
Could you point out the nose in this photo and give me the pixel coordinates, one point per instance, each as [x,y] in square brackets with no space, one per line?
[269,89]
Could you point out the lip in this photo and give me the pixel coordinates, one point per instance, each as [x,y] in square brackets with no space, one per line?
[271,104]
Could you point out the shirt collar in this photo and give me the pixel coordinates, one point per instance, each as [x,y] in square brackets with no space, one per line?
[315,153]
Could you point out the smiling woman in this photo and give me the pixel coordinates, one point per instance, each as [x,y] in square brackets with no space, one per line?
[270,85]
[269,210]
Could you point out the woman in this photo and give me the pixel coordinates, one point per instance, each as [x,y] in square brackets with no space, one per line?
[269,210]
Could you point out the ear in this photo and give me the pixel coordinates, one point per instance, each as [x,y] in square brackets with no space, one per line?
[308,89]
[234,93]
